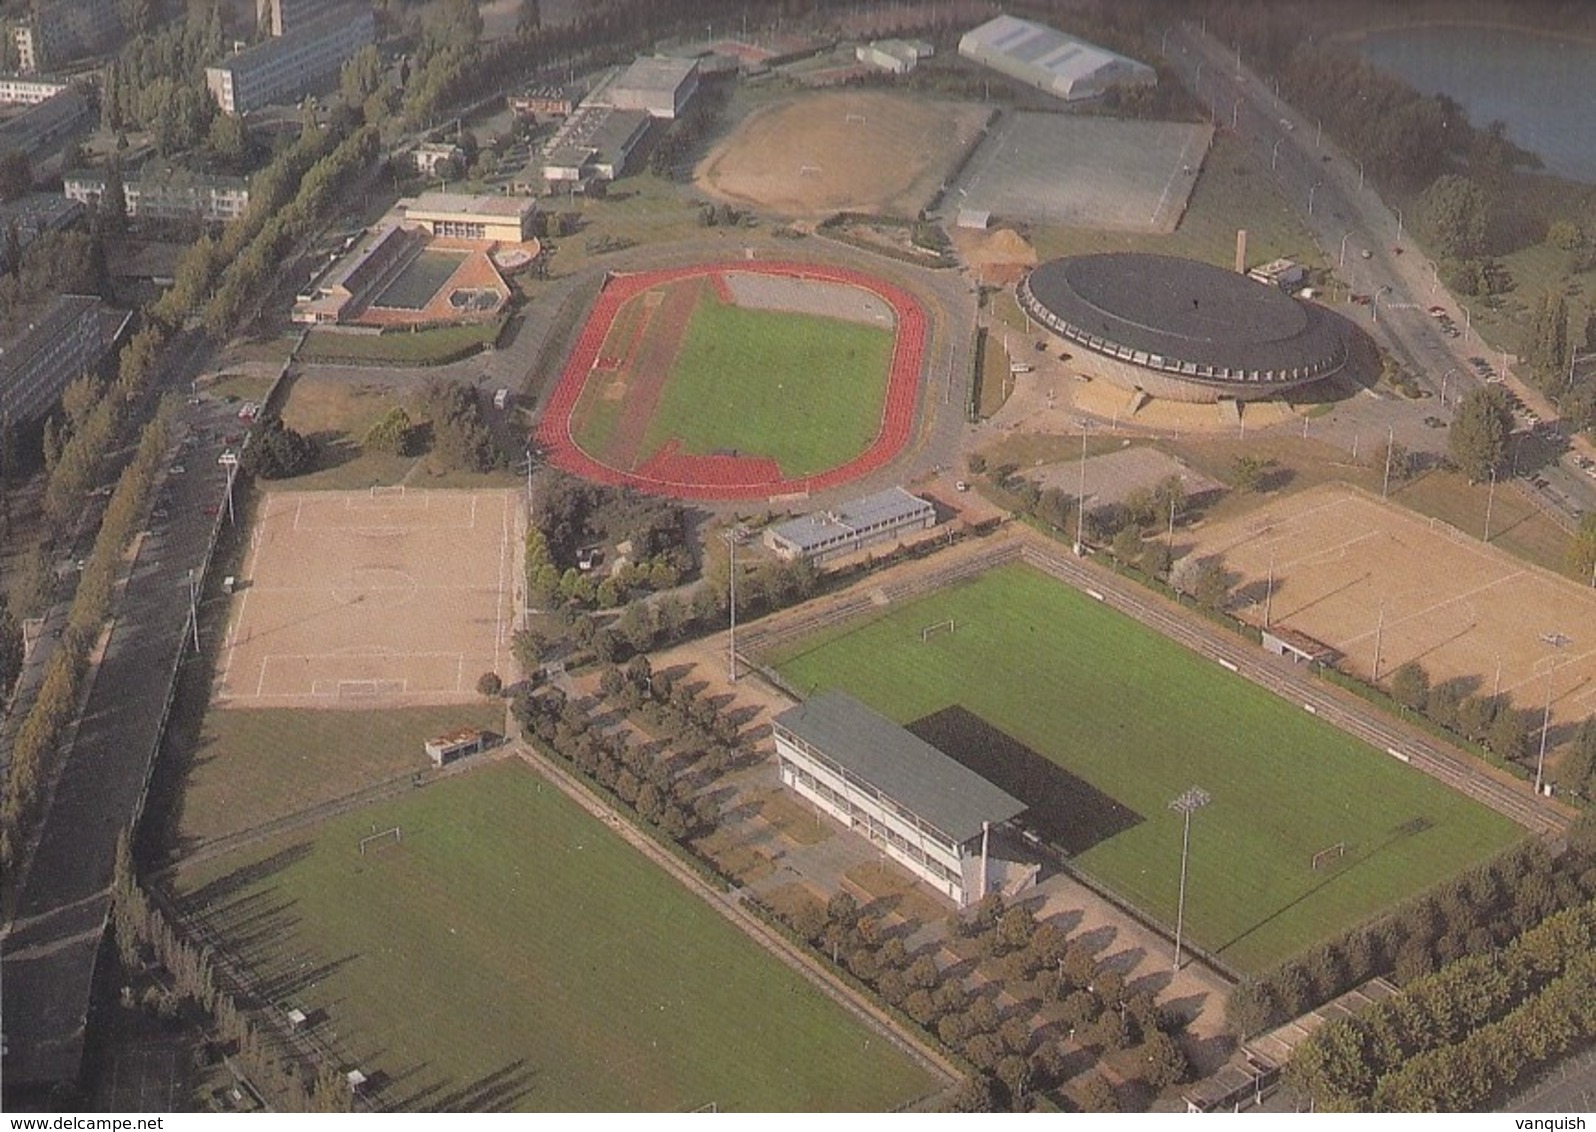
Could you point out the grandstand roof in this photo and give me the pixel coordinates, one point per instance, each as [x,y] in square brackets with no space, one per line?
[910,771]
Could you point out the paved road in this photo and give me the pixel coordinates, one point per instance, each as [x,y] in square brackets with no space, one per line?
[62,900]
[1369,246]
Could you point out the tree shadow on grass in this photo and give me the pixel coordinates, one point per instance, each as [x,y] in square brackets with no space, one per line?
[498,1091]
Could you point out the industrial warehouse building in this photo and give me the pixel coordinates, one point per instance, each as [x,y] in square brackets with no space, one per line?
[1051,61]
[288,67]
[922,808]
[663,87]
[851,526]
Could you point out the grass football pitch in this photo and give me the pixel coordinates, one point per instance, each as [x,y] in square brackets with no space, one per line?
[1139,719]
[801,389]
[510,952]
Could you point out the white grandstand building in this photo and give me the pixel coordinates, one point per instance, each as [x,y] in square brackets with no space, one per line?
[1051,61]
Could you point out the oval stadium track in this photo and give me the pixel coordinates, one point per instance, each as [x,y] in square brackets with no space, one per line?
[729,478]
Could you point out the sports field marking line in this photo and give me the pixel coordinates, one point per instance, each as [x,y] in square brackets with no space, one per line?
[1181,165]
[1391,623]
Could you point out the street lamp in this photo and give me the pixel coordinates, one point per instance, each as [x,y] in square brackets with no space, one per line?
[1313,188]
[1186,805]
[1274,154]
[1444,376]
[732,537]
[1235,113]
[1556,640]
[1080,499]
[1399,227]
[1360,174]
[1344,240]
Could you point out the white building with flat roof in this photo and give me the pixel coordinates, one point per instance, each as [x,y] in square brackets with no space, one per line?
[505,219]
[1051,61]
[657,84]
[918,805]
[290,66]
[27,90]
[851,526]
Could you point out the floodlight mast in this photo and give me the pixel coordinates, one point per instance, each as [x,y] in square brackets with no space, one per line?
[1187,804]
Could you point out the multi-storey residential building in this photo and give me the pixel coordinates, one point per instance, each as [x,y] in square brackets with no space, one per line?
[167,193]
[283,16]
[28,90]
[286,68]
[62,343]
[59,32]
[46,126]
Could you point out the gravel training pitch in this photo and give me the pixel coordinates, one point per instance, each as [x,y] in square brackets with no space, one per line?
[360,599]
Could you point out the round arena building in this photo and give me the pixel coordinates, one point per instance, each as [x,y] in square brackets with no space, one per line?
[1184,330]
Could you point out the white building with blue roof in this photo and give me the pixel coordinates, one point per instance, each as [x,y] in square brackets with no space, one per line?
[855,525]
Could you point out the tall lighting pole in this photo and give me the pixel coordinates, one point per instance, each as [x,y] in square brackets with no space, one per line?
[1186,805]
[733,537]
[1080,500]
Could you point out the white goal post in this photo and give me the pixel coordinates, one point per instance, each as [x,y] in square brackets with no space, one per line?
[1325,857]
[376,838]
[935,627]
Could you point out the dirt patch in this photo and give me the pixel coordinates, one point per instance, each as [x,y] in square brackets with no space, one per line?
[1351,571]
[862,151]
[370,599]
[653,354]
[792,819]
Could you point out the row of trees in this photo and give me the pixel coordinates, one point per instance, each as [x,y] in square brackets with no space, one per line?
[147,944]
[1477,441]
[1032,964]
[660,790]
[56,704]
[1472,914]
[1487,719]
[1451,1041]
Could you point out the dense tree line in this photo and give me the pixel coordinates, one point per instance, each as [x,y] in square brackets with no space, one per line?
[1020,959]
[243,278]
[1490,720]
[662,791]
[1453,1040]
[55,707]
[186,977]
[1470,915]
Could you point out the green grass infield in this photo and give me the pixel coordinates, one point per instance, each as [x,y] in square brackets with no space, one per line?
[510,952]
[804,390]
[1134,720]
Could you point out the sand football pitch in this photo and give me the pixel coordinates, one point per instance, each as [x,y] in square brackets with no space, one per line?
[356,599]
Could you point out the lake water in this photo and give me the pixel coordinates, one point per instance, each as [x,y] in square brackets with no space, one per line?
[1541,86]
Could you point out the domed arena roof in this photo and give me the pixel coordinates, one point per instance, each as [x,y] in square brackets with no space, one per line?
[1185,318]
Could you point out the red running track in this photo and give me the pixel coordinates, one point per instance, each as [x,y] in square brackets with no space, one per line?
[671,472]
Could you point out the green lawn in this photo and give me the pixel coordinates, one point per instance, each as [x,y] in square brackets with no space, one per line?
[1234,191]
[804,390]
[1141,719]
[513,953]
[437,346]
[253,765]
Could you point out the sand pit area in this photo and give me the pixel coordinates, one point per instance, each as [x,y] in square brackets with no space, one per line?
[1461,608]
[834,151]
[359,599]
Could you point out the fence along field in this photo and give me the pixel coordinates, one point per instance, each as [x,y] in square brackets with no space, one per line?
[1103,722]
[509,952]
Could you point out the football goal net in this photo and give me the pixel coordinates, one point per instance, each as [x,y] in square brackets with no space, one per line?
[936,627]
